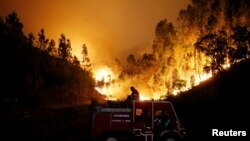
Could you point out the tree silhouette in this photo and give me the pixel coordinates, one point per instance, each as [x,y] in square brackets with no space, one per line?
[39,74]
[164,32]
[86,64]
[131,68]
[131,59]
[42,40]
[2,25]
[76,61]
[13,24]
[216,47]
[211,22]
[64,48]
[31,39]
[241,40]
[51,49]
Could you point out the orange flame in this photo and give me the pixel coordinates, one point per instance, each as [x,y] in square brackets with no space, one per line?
[114,91]
[104,75]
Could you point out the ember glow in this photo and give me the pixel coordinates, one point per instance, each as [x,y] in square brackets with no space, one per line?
[107,85]
[103,77]
[103,74]
[202,77]
[113,87]
[143,97]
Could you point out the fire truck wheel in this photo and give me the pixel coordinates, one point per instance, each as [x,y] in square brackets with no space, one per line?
[110,138]
[170,137]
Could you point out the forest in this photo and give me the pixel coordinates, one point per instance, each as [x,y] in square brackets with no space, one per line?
[44,87]
[39,73]
[210,36]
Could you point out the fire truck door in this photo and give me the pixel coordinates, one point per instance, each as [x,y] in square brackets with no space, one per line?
[143,115]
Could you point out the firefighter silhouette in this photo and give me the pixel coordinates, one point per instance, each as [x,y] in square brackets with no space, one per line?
[134,94]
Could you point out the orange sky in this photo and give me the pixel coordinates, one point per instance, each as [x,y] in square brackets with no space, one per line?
[110,28]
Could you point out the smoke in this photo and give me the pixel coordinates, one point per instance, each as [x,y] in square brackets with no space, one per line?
[174,64]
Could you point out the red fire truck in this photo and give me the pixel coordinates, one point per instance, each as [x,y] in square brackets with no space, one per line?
[140,120]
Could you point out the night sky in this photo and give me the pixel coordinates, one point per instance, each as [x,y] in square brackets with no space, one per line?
[110,28]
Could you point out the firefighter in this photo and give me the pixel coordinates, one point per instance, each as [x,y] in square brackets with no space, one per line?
[134,93]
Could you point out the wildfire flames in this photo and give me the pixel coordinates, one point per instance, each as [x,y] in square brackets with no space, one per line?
[106,85]
[210,36]
[109,83]
[103,77]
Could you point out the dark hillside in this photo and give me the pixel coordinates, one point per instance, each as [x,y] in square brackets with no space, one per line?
[34,78]
[36,72]
[219,103]
[43,97]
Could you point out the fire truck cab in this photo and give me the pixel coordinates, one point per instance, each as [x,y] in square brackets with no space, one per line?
[143,120]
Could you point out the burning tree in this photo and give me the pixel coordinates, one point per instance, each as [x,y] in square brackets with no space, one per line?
[202,43]
[209,36]
[215,47]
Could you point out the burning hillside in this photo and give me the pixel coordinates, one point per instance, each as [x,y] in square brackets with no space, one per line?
[210,36]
